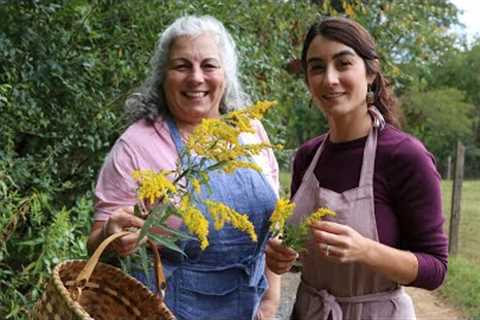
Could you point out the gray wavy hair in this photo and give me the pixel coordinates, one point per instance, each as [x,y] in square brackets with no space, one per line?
[148,102]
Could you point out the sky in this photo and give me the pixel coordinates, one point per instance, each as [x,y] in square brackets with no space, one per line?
[470,17]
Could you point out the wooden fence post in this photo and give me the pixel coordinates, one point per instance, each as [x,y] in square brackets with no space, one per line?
[449,168]
[456,200]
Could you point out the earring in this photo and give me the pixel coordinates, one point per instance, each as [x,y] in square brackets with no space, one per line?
[370,96]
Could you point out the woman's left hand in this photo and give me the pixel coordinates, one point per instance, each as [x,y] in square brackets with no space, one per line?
[339,243]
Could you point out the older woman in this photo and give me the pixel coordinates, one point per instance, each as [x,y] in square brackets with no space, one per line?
[194,76]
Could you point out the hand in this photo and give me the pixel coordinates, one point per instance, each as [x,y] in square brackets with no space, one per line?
[339,243]
[120,220]
[279,258]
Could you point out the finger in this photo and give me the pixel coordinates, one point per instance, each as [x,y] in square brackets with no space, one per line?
[125,248]
[278,267]
[329,226]
[278,246]
[121,219]
[128,240]
[328,237]
[281,255]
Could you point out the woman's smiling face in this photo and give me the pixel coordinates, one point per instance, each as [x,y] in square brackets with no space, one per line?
[336,77]
[195,79]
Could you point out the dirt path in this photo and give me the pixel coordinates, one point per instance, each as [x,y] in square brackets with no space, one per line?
[427,305]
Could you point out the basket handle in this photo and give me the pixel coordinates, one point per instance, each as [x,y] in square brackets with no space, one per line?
[84,275]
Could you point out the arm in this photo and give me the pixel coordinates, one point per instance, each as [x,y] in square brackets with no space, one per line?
[115,198]
[420,254]
[418,202]
[271,299]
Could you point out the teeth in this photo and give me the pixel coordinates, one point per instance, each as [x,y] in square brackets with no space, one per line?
[333,95]
[195,94]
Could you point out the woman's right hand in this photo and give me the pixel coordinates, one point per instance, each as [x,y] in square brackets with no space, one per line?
[120,220]
[279,258]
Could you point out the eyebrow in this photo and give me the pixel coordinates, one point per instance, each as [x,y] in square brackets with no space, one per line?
[335,56]
[183,59]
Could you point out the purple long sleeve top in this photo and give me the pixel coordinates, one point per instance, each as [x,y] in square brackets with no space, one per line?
[408,204]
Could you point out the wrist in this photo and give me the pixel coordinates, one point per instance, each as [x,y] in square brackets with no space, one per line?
[104,232]
[368,258]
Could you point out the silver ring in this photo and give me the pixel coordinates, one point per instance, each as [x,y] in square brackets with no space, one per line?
[327,250]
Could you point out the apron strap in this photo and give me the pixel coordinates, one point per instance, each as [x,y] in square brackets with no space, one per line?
[313,164]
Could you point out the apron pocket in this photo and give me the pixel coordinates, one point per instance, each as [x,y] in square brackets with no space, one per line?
[209,295]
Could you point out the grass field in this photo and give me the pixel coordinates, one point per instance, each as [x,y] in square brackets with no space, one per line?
[462,287]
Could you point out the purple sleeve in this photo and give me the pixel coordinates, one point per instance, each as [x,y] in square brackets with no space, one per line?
[415,185]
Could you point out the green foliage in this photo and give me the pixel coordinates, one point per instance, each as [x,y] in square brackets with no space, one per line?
[439,118]
[459,70]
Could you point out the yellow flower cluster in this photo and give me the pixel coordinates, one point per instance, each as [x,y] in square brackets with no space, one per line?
[319,214]
[222,214]
[194,220]
[218,139]
[196,185]
[153,185]
[283,210]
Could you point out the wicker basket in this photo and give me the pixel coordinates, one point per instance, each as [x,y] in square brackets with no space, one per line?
[87,290]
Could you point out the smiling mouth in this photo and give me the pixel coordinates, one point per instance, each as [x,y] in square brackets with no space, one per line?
[332,95]
[195,94]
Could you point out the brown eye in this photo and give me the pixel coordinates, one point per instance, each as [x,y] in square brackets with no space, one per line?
[210,67]
[344,63]
[316,67]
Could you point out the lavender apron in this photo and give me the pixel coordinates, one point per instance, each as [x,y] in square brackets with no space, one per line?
[345,291]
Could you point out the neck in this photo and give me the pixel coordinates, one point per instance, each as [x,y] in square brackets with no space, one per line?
[350,128]
[185,128]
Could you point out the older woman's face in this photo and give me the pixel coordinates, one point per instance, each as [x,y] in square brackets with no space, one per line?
[195,81]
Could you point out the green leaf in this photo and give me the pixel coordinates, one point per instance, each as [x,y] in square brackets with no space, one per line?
[178,233]
[167,243]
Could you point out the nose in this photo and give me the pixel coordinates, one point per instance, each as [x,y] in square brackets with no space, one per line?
[331,76]
[196,75]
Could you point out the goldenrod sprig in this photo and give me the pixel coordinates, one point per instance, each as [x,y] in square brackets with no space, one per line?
[294,235]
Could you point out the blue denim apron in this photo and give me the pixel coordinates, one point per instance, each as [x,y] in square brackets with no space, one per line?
[226,280]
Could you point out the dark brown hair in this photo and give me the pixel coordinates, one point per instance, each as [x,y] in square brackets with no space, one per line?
[355,36]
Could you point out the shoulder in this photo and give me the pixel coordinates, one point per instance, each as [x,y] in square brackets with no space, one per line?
[402,148]
[259,130]
[142,130]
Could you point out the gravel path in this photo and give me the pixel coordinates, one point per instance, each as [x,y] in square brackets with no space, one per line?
[427,305]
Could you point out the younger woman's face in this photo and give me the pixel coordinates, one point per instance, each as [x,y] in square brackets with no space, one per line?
[336,78]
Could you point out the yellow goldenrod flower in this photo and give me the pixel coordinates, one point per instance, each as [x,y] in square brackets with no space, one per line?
[222,214]
[196,185]
[283,210]
[319,214]
[258,109]
[153,185]
[233,165]
[218,139]
[194,220]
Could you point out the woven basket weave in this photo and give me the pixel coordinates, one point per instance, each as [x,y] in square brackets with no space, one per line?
[87,290]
